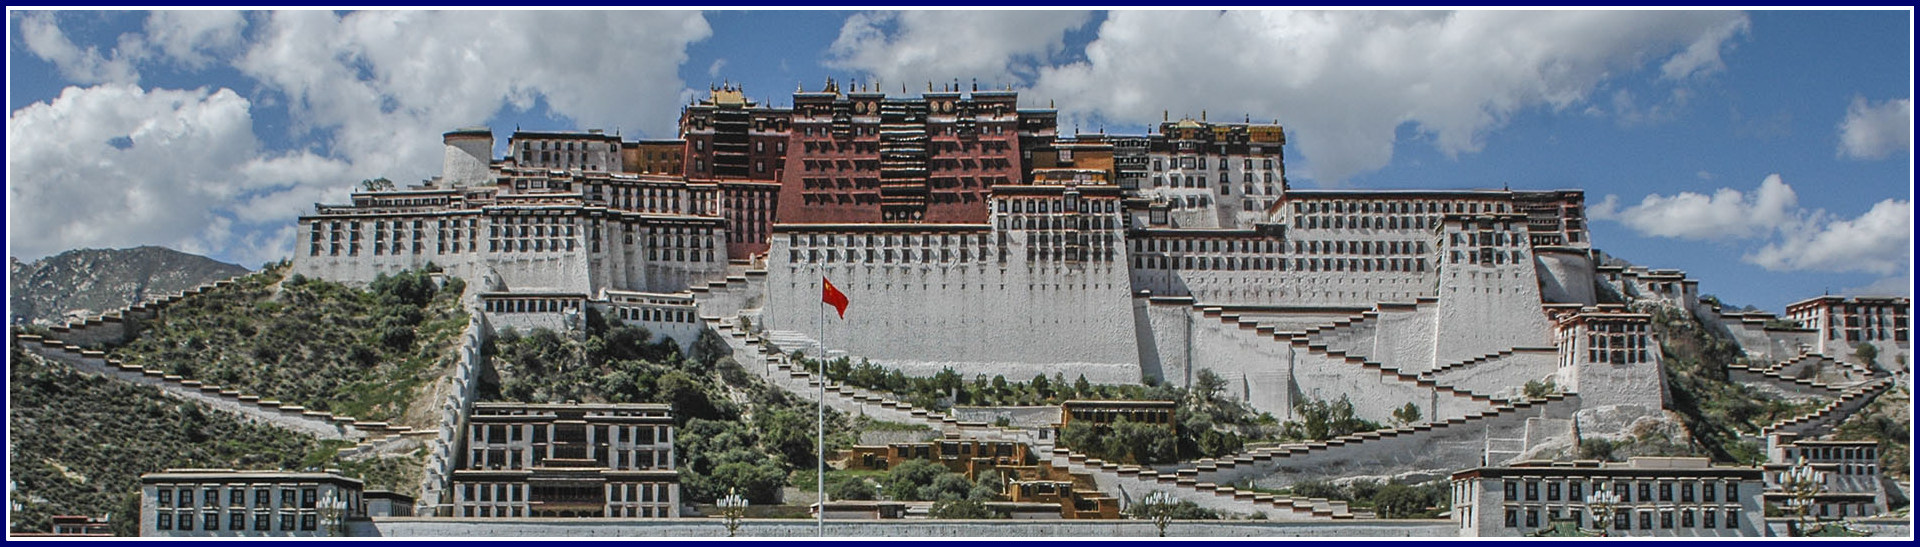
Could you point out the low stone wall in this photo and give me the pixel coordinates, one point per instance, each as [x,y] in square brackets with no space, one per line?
[1779,385]
[119,326]
[714,527]
[1027,417]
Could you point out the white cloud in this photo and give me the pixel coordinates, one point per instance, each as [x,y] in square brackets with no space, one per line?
[384,85]
[195,38]
[1876,130]
[1344,81]
[997,47]
[1728,213]
[43,37]
[1879,241]
[117,165]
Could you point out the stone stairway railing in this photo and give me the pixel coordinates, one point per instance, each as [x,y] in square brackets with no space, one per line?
[1483,359]
[443,448]
[246,406]
[111,326]
[1134,482]
[783,373]
[1755,373]
[1266,461]
[1832,413]
[1820,360]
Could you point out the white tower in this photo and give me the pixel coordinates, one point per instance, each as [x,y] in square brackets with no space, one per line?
[469,152]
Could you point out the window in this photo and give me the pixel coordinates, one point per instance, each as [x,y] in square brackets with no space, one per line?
[1533,518]
[1706,519]
[1553,491]
[1733,518]
[286,522]
[186,497]
[211,521]
[1573,491]
[1707,492]
[1686,492]
[1733,491]
[1666,519]
[163,522]
[1646,491]
[164,497]
[236,520]
[309,497]
[1646,520]
[1513,518]
[1533,490]
[1666,491]
[1686,518]
[309,522]
[286,497]
[1622,520]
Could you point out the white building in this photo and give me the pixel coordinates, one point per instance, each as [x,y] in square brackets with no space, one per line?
[229,503]
[1656,497]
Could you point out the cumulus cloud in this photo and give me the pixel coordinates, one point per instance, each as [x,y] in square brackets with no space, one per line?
[1898,285]
[916,47]
[1879,241]
[116,165]
[194,38]
[1728,213]
[1344,81]
[1876,130]
[384,85]
[43,37]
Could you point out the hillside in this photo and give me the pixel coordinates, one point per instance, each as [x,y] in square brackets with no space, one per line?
[87,282]
[373,353]
[734,430]
[78,444]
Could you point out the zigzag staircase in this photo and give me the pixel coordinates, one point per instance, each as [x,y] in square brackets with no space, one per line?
[1302,342]
[1830,415]
[757,355]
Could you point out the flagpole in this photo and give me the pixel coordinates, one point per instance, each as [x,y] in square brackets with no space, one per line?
[820,423]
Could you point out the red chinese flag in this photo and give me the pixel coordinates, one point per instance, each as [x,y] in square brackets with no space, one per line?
[833,297]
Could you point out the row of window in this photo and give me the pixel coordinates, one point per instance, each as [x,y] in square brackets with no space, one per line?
[1359,222]
[1397,206]
[236,521]
[1486,257]
[1050,222]
[236,497]
[1623,519]
[656,315]
[1200,162]
[1361,265]
[1624,489]
[523,305]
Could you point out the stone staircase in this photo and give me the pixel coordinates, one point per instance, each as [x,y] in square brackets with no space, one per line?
[1830,415]
[1360,447]
[1303,342]
[1484,359]
[111,327]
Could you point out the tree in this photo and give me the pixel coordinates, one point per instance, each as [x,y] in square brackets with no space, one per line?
[850,488]
[1867,355]
[376,185]
[1398,501]
[1407,415]
[960,509]
[904,481]
[1536,389]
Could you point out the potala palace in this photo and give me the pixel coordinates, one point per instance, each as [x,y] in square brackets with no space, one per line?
[972,234]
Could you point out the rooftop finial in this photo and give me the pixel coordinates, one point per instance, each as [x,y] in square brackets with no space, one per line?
[976,84]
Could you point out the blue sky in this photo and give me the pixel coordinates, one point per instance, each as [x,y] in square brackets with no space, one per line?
[1768,153]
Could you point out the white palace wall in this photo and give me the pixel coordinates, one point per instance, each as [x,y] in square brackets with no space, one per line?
[919,315]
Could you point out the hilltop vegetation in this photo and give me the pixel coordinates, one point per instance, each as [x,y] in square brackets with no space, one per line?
[79,444]
[733,430]
[369,354]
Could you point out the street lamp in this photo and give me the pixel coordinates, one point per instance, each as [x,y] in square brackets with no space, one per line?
[733,508]
[1802,484]
[1601,504]
[1158,506]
